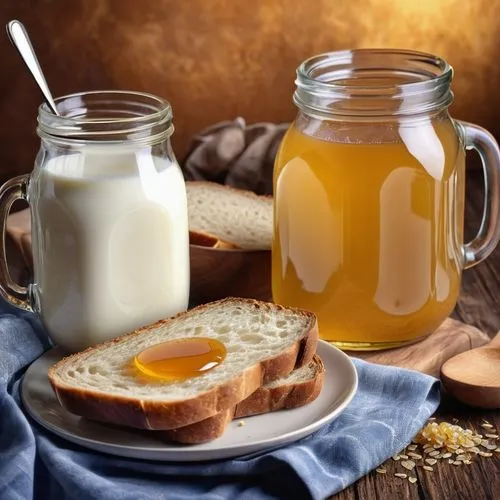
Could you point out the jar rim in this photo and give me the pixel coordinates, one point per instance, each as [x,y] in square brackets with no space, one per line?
[319,61]
[106,115]
[419,80]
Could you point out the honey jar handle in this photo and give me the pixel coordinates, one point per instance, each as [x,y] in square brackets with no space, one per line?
[17,295]
[488,235]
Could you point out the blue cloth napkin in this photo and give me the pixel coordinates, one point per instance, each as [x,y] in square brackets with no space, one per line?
[390,407]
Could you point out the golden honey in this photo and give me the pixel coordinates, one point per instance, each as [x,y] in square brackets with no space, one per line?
[180,359]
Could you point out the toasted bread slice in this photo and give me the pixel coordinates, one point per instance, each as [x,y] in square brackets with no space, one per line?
[234,218]
[301,387]
[264,342]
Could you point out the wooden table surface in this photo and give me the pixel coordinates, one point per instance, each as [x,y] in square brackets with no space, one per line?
[479,305]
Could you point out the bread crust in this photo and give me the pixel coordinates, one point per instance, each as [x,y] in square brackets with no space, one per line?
[282,397]
[164,415]
[202,239]
[200,432]
[263,400]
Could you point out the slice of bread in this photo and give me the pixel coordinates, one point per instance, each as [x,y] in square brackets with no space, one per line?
[233,217]
[264,342]
[299,388]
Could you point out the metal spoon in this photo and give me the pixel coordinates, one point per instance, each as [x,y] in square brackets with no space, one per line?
[20,39]
[473,377]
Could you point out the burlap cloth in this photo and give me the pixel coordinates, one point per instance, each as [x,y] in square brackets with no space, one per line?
[235,154]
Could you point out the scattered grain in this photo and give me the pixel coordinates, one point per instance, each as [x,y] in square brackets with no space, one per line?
[412,480]
[468,444]
[408,464]
[396,457]
[450,442]
[401,475]
[428,467]
[241,423]
[485,454]
[381,471]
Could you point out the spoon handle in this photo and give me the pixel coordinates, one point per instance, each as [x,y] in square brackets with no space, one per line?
[20,39]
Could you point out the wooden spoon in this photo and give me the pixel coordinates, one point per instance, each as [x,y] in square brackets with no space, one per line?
[473,377]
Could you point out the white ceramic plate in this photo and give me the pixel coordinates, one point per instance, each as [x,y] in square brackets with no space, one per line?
[259,433]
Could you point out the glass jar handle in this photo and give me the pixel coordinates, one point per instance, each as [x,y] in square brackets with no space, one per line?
[17,295]
[488,235]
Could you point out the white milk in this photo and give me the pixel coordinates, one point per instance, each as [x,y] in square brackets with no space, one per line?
[111,247]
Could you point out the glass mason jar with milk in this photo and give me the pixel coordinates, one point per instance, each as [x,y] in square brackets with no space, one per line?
[109,219]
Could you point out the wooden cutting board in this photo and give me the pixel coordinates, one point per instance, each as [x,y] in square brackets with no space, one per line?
[427,356]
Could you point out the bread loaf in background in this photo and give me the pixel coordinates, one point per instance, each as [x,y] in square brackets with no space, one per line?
[220,59]
[225,217]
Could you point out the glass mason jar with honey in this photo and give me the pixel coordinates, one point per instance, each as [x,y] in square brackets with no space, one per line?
[369,188]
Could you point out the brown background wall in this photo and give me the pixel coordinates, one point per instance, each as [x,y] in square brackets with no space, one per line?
[218,59]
